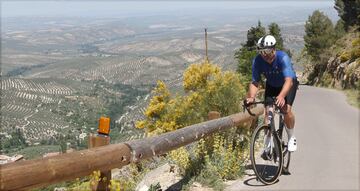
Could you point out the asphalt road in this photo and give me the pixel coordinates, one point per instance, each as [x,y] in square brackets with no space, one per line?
[327,131]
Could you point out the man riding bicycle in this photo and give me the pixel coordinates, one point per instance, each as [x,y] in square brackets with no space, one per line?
[281,82]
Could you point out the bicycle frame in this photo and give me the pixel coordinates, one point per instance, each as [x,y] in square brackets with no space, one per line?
[271,111]
[277,144]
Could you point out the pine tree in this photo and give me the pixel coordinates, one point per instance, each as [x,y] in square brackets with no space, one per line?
[274,30]
[340,29]
[247,53]
[253,35]
[319,34]
[245,57]
[349,12]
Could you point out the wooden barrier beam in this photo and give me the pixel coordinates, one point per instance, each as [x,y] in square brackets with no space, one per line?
[152,146]
[41,172]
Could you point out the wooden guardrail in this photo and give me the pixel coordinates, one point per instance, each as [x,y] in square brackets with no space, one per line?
[36,173]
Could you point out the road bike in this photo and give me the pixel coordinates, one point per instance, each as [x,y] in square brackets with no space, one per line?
[268,149]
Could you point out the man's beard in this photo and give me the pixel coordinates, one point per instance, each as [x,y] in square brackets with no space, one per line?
[269,59]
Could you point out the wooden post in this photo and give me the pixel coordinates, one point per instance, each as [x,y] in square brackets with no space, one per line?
[213,115]
[209,141]
[206,46]
[101,139]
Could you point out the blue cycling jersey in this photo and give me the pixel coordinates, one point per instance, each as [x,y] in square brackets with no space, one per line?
[274,73]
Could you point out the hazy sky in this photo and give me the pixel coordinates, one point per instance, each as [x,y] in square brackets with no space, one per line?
[129,8]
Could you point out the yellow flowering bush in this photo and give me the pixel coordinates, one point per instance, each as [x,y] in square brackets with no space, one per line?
[345,56]
[355,51]
[207,89]
[181,156]
[197,75]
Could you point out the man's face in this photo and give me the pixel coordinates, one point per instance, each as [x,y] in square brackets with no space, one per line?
[268,54]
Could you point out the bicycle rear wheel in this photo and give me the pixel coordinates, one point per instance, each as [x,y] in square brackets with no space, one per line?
[267,169]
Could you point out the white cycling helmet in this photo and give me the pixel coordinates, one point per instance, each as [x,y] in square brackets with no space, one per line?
[267,41]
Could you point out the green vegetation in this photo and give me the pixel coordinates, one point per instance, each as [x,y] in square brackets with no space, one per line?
[23,69]
[319,34]
[247,53]
[274,30]
[353,97]
[155,187]
[16,140]
[332,54]
[349,12]
[253,35]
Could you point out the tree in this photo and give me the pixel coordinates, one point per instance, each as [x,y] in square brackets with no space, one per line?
[245,57]
[349,12]
[247,53]
[340,29]
[319,34]
[253,35]
[62,144]
[274,30]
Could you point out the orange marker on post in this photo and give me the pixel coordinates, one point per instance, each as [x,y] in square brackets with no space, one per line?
[101,139]
[104,126]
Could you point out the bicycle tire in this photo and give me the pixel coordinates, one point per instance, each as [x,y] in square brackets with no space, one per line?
[266,173]
[286,153]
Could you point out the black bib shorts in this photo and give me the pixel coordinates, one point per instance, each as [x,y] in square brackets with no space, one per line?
[271,92]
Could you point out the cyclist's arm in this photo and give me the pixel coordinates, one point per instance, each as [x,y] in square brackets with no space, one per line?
[289,74]
[286,87]
[253,87]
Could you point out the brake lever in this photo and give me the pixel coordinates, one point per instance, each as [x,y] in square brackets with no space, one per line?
[246,106]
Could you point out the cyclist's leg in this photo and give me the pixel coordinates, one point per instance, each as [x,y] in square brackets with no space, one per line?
[289,117]
[270,92]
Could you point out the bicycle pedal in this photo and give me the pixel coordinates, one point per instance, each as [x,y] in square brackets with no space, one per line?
[265,156]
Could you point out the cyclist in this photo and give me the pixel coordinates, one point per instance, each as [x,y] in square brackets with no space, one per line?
[281,82]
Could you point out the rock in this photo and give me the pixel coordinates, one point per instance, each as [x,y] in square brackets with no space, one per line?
[198,187]
[144,188]
[167,175]
[60,189]
[331,60]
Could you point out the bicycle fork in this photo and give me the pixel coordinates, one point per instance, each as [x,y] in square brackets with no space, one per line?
[271,133]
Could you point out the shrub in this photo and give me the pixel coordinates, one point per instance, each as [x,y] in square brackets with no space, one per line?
[345,56]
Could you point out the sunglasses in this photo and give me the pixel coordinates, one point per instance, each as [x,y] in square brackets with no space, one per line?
[265,51]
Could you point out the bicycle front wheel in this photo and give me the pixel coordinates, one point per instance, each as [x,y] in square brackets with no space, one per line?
[286,153]
[266,161]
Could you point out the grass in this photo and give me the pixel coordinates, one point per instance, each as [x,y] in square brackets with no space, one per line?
[353,97]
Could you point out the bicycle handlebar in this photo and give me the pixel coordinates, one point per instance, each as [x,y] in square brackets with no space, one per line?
[268,102]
